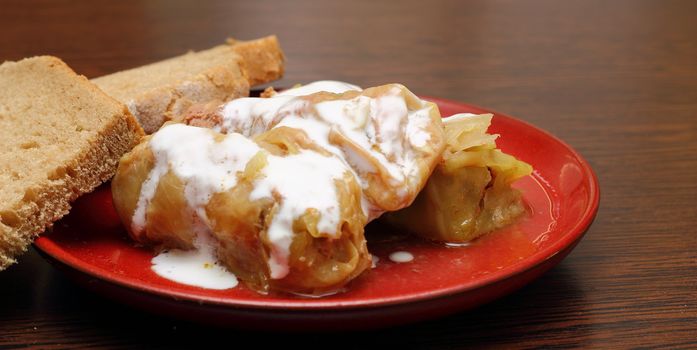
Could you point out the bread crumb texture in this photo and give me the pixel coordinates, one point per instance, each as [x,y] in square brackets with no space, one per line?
[61,137]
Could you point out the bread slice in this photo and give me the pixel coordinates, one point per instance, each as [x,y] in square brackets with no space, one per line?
[162,91]
[60,137]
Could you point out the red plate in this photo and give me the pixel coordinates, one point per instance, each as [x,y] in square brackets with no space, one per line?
[562,195]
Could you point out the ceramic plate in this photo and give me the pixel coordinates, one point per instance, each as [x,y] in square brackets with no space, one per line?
[562,197]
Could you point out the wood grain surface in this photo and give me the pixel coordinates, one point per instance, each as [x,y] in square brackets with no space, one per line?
[617,80]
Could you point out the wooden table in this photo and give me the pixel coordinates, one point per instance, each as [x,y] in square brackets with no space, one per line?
[617,80]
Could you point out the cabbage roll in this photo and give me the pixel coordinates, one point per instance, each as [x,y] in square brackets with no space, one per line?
[283,213]
[469,193]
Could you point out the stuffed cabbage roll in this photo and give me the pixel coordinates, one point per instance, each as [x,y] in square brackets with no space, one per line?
[469,193]
[281,212]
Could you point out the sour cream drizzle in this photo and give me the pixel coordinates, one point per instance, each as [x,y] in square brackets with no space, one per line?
[332,86]
[401,257]
[195,267]
[381,129]
[304,180]
[204,165]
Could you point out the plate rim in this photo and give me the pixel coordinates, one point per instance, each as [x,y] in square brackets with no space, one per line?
[574,234]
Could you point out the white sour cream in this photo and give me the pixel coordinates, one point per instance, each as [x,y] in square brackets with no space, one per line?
[205,166]
[303,181]
[195,267]
[382,130]
[333,86]
[374,260]
[401,257]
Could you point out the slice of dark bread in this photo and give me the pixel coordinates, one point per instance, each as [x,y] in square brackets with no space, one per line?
[61,137]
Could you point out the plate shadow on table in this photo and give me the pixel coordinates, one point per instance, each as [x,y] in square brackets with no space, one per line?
[26,290]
